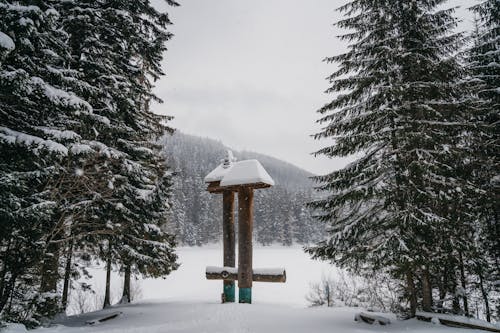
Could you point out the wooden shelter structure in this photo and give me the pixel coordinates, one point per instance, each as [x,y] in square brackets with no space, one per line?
[243,178]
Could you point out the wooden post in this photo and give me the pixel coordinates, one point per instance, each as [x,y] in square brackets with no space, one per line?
[229,242]
[245,226]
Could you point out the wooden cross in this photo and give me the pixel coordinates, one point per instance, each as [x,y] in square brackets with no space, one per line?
[242,178]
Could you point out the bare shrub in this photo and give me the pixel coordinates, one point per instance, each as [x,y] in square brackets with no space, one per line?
[376,293]
[135,290]
[86,299]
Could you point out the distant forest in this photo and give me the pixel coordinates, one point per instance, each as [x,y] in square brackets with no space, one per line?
[196,215]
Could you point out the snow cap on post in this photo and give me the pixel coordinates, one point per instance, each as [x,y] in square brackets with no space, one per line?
[246,172]
[230,174]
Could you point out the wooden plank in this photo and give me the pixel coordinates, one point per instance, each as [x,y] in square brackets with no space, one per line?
[214,187]
[458,321]
[232,276]
[104,318]
[370,318]
[269,278]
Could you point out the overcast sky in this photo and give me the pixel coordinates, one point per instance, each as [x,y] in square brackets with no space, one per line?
[250,73]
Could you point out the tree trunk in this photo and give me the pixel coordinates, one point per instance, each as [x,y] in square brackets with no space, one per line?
[3,280]
[126,297]
[67,275]
[456,301]
[107,293]
[426,291]
[50,306]
[412,295]
[7,292]
[50,268]
[442,287]
[484,293]
[464,284]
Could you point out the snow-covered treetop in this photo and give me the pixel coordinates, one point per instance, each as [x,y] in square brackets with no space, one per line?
[231,173]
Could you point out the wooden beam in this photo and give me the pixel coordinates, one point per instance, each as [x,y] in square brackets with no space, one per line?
[458,321]
[258,275]
[245,248]
[229,242]
[371,318]
[261,277]
[104,318]
[214,187]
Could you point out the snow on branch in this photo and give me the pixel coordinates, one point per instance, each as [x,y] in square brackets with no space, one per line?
[13,137]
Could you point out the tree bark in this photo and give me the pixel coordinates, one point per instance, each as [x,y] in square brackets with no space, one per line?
[7,293]
[126,297]
[51,305]
[67,275]
[50,268]
[426,291]
[3,281]
[412,295]
[484,293]
[464,284]
[107,293]
[443,285]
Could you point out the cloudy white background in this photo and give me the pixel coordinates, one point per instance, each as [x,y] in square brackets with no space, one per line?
[250,73]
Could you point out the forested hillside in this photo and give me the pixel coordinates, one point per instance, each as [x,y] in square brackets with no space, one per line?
[196,217]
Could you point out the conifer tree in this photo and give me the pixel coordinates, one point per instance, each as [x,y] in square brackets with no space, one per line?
[80,170]
[37,107]
[483,60]
[117,47]
[396,110]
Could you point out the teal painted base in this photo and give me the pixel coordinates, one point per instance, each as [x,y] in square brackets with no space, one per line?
[245,295]
[229,293]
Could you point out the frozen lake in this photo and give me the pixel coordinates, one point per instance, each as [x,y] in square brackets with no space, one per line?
[188,283]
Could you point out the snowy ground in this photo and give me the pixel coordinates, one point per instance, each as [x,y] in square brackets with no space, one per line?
[209,316]
[187,303]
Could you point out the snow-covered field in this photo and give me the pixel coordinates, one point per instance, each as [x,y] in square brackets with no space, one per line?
[186,302]
[189,282]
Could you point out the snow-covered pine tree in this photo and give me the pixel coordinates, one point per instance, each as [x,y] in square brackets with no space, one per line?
[395,110]
[38,133]
[484,70]
[117,47]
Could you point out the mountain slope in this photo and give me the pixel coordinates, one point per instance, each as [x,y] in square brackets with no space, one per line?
[196,219]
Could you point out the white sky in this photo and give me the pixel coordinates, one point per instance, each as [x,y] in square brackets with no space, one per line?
[250,73]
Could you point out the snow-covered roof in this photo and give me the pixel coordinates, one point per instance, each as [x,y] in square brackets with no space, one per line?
[216,174]
[246,172]
[230,173]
